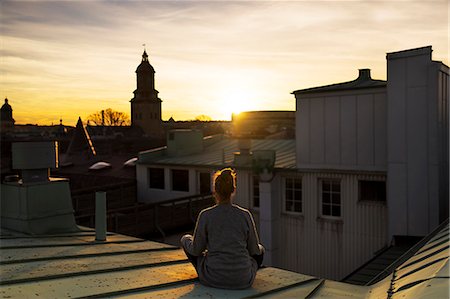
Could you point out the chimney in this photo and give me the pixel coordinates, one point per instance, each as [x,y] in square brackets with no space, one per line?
[34,160]
[182,142]
[364,75]
[244,156]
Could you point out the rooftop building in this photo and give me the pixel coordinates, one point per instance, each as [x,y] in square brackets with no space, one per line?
[345,191]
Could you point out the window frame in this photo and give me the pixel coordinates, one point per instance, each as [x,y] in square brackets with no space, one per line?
[199,185]
[383,201]
[293,189]
[172,180]
[149,180]
[252,190]
[331,204]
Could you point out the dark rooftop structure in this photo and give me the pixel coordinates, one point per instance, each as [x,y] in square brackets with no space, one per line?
[364,80]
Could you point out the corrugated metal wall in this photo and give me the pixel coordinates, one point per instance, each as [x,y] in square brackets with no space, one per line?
[342,130]
[330,248]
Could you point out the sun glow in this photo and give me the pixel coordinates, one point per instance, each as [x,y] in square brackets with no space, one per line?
[238,100]
[63,61]
[235,103]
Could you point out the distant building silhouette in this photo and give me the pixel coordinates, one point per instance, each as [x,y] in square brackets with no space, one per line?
[7,120]
[263,124]
[146,105]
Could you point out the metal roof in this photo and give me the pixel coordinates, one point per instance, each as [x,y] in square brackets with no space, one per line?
[363,81]
[221,153]
[76,266]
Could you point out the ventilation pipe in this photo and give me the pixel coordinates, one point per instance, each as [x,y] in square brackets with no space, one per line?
[100,216]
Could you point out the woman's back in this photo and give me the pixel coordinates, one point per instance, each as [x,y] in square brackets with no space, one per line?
[225,248]
[230,238]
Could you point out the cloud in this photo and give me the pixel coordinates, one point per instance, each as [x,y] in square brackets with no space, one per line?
[88,50]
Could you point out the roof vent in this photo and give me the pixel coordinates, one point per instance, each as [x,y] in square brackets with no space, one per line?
[34,160]
[36,204]
[364,75]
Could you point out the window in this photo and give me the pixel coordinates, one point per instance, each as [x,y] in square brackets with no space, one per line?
[372,190]
[331,198]
[180,180]
[204,182]
[255,194]
[293,195]
[156,178]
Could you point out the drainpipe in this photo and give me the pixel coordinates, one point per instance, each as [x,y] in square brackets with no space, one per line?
[269,211]
[268,219]
[100,216]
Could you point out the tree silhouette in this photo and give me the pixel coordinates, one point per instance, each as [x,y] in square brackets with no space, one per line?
[203,117]
[109,117]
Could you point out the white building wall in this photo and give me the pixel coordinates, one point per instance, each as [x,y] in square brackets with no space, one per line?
[342,130]
[413,143]
[149,195]
[331,248]
[243,187]
[441,139]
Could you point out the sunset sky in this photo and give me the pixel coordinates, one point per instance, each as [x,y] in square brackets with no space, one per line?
[65,59]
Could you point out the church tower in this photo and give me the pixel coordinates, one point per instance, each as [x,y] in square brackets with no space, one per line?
[145,105]
[6,117]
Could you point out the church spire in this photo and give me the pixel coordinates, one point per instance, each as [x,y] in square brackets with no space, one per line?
[144,56]
[146,105]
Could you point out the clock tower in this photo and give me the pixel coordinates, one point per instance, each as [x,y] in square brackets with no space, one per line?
[146,105]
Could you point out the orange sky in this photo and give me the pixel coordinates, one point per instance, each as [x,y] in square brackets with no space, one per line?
[68,59]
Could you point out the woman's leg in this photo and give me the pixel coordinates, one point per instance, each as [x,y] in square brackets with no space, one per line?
[191,258]
[259,257]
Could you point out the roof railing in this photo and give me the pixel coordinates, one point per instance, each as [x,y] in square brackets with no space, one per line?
[145,218]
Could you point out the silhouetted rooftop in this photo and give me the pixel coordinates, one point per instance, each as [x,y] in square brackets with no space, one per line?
[363,81]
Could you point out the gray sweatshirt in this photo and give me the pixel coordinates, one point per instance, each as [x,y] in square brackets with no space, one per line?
[228,233]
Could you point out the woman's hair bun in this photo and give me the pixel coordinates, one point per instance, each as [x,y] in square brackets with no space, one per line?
[225,183]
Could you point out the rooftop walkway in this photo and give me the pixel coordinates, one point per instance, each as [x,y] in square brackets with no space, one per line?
[75,266]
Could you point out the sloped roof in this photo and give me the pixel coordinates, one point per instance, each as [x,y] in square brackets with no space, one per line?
[75,265]
[221,153]
[363,81]
[81,141]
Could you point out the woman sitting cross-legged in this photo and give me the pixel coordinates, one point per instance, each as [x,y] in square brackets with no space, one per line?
[225,248]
